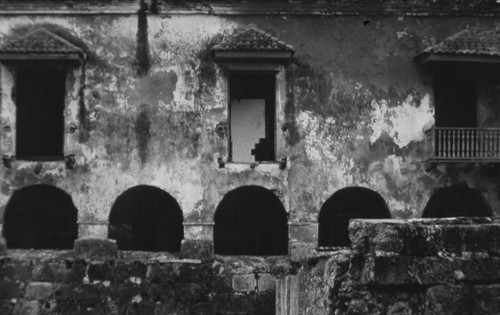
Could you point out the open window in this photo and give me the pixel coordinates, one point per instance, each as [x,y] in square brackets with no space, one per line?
[457,201]
[345,204]
[254,61]
[40,217]
[250,220]
[39,62]
[252,111]
[146,218]
[40,113]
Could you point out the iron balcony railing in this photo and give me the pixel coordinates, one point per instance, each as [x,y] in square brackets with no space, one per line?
[463,144]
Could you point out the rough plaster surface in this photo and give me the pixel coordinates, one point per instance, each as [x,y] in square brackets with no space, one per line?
[353,109]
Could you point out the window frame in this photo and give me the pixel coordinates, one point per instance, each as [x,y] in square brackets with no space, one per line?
[280,86]
[269,115]
[41,67]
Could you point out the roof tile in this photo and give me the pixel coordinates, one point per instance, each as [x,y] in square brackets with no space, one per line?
[252,39]
[39,41]
[471,42]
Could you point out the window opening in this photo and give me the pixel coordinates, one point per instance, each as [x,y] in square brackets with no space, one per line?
[345,204]
[252,116]
[250,220]
[146,218]
[455,97]
[457,201]
[40,217]
[40,114]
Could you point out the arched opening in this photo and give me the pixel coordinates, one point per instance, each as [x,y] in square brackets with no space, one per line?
[40,217]
[345,204]
[250,220]
[457,201]
[146,218]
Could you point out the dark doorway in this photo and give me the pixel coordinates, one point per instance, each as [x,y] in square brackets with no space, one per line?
[457,201]
[250,220]
[40,114]
[252,116]
[146,218]
[345,204]
[40,217]
[455,96]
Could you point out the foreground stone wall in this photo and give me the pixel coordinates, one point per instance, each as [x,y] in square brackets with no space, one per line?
[426,266]
[420,266]
[49,282]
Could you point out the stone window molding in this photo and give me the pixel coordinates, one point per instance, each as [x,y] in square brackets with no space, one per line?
[252,56]
[51,70]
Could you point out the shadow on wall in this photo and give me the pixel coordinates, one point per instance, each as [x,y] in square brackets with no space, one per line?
[250,220]
[40,217]
[146,218]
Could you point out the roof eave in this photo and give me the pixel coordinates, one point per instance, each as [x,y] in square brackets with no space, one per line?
[280,56]
[28,56]
[426,58]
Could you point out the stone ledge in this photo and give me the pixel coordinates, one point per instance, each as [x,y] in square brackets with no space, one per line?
[197,249]
[405,270]
[96,249]
[39,291]
[447,299]
[426,237]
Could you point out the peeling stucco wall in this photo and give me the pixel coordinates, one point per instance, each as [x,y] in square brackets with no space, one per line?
[353,110]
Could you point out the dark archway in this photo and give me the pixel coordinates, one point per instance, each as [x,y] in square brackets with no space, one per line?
[457,201]
[251,220]
[40,217]
[345,204]
[146,218]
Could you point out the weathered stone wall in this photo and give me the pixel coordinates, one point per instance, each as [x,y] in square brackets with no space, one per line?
[424,266]
[146,108]
[57,282]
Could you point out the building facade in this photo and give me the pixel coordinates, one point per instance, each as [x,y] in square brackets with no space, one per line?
[236,128]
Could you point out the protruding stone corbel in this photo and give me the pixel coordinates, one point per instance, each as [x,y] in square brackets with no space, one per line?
[221,162]
[283,163]
[7,160]
[70,161]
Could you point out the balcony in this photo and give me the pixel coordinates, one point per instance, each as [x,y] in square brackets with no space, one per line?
[463,145]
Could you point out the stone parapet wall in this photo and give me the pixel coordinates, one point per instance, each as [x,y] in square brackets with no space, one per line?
[421,266]
[57,282]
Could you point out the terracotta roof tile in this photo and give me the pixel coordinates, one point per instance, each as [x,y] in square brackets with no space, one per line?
[39,41]
[469,41]
[252,39]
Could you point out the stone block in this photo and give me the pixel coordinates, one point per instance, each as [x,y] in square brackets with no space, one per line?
[3,246]
[481,238]
[433,270]
[451,239]
[301,251]
[477,269]
[39,291]
[368,235]
[95,248]
[265,282]
[244,283]
[197,249]
[450,221]
[27,308]
[447,299]
[196,231]
[389,237]
[422,240]
[486,299]
[303,232]
[388,270]
[93,230]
